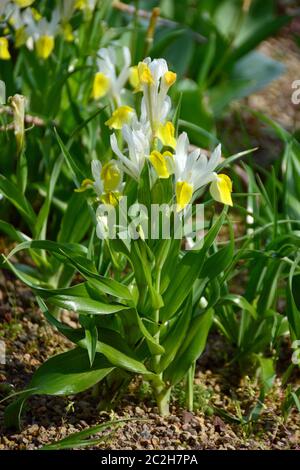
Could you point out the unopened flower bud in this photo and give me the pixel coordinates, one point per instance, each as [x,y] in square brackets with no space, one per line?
[17,103]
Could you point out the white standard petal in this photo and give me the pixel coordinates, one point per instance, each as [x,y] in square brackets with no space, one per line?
[215,158]
[180,156]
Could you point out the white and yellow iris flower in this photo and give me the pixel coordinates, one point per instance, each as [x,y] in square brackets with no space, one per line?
[42,32]
[136,136]
[110,79]
[194,170]
[155,80]
[107,180]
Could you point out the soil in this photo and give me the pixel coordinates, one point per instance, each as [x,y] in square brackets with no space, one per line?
[30,341]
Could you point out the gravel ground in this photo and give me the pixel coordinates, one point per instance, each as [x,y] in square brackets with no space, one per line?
[30,341]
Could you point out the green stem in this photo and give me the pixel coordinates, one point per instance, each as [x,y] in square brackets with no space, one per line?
[190,388]
[163,402]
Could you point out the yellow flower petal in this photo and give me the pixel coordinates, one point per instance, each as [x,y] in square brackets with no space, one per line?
[80,4]
[4,52]
[100,86]
[166,134]
[36,14]
[44,46]
[111,176]
[221,189]
[86,183]
[120,116]
[134,78]
[24,3]
[111,198]
[184,193]
[170,78]
[145,75]
[161,163]
[20,36]
[68,32]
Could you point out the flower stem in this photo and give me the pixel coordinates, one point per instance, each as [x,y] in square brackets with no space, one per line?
[163,402]
[190,388]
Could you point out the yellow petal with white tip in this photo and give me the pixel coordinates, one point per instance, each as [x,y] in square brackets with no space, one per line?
[120,116]
[111,176]
[44,46]
[161,163]
[221,189]
[166,134]
[170,78]
[4,52]
[184,193]
[101,85]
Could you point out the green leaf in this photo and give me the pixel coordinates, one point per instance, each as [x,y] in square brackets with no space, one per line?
[240,302]
[63,374]
[78,174]
[91,338]
[83,305]
[153,346]
[191,349]
[187,271]
[42,218]
[76,220]
[15,196]
[293,312]
[175,336]
[12,232]
[79,439]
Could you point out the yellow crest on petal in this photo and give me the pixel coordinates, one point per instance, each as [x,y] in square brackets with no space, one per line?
[44,46]
[161,163]
[170,78]
[101,85]
[111,176]
[166,134]
[120,116]
[145,75]
[221,189]
[184,193]
[4,52]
